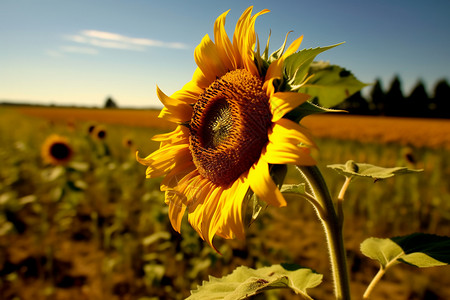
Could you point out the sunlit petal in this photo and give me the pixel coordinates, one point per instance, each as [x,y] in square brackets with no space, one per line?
[262,184]
[174,110]
[208,59]
[283,102]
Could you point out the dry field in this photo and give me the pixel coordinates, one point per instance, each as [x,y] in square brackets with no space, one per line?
[97,229]
[432,133]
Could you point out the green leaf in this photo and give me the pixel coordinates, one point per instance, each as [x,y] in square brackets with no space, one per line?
[277,54]
[330,84]
[293,188]
[257,207]
[350,168]
[245,282]
[437,247]
[306,109]
[297,65]
[385,251]
[418,249]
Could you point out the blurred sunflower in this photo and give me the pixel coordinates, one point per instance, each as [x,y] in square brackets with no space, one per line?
[56,150]
[230,131]
[99,132]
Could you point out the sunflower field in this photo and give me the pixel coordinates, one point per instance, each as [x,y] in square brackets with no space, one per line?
[78,219]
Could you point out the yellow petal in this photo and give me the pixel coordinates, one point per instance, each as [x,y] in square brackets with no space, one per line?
[189,93]
[211,213]
[180,169]
[232,223]
[223,43]
[197,217]
[275,69]
[285,130]
[289,154]
[199,80]
[292,48]
[174,110]
[176,209]
[283,102]
[262,184]
[180,133]
[163,160]
[208,59]
[288,144]
[244,40]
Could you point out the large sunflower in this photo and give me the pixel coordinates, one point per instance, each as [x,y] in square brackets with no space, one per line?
[230,130]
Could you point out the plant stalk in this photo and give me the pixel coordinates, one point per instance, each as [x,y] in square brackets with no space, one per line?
[340,201]
[333,231]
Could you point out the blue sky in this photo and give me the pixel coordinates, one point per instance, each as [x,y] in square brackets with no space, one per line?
[81,52]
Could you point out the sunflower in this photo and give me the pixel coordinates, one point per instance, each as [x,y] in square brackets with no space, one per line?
[56,150]
[231,129]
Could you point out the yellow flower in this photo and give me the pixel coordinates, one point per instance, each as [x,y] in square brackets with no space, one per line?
[56,150]
[230,130]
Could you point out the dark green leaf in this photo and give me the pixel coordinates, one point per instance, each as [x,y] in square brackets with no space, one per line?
[435,246]
[418,249]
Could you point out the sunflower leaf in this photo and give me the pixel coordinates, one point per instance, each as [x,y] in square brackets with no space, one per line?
[297,65]
[244,282]
[418,249]
[306,109]
[350,168]
[330,84]
[293,188]
[435,246]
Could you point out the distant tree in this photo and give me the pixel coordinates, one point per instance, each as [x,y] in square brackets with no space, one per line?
[355,104]
[440,103]
[417,104]
[377,99]
[110,103]
[395,101]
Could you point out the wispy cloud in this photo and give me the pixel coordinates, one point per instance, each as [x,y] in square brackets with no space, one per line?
[81,50]
[62,50]
[104,39]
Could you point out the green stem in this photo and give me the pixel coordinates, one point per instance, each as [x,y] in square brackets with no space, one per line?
[333,231]
[340,200]
[378,276]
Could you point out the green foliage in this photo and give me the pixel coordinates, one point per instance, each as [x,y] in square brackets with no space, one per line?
[435,246]
[306,109]
[418,249]
[245,282]
[330,84]
[293,188]
[297,66]
[350,168]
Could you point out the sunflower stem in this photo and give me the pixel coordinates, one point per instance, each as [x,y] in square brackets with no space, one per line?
[340,200]
[333,230]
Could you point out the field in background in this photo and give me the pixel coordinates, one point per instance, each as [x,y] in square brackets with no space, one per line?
[97,229]
[433,133]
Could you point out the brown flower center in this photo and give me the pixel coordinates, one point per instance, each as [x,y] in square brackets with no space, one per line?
[60,151]
[229,126]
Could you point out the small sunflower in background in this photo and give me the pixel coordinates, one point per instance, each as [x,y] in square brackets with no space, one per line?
[128,142]
[56,150]
[231,130]
[99,132]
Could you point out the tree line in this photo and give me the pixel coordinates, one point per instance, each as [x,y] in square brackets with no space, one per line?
[393,102]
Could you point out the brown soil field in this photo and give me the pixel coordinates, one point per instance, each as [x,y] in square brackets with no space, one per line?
[433,133]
